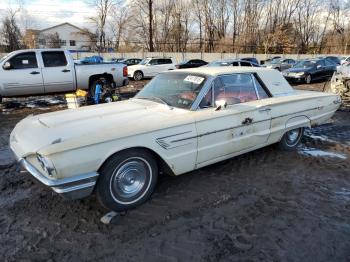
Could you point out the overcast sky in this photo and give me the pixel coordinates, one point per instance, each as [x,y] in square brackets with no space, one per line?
[39,14]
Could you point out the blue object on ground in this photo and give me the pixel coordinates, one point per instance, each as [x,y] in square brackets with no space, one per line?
[97,93]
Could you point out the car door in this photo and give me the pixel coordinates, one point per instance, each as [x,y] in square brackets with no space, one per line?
[58,74]
[330,67]
[244,124]
[23,77]
[153,67]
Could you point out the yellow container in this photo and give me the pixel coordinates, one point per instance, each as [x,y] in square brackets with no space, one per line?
[74,101]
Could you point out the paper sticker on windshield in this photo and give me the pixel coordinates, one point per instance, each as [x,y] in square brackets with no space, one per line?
[194,79]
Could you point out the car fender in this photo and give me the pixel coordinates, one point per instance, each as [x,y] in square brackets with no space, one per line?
[297,122]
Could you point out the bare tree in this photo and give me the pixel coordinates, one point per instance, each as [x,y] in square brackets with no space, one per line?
[53,40]
[103,8]
[119,22]
[10,32]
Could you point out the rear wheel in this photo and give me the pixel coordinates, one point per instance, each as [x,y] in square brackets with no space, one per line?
[291,139]
[138,75]
[127,180]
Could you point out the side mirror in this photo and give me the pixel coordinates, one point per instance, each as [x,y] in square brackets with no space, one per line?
[7,66]
[220,104]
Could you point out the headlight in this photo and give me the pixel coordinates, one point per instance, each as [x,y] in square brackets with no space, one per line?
[46,164]
[300,74]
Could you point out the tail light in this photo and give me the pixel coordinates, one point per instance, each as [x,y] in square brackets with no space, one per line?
[125,71]
[177,66]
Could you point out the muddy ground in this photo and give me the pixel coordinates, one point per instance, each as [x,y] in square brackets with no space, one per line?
[266,205]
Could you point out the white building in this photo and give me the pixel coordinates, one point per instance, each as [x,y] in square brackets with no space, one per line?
[71,37]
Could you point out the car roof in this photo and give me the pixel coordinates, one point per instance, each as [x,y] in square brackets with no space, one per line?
[273,79]
[214,71]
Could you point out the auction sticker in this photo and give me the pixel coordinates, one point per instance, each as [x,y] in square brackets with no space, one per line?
[194,79]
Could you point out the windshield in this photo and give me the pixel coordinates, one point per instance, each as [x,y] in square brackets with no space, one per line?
[144,61]
[175,89]
[305,64]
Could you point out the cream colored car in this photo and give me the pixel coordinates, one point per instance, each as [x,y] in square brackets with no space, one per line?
[181,121]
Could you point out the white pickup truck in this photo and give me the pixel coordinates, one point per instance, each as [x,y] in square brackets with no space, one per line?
[43,71]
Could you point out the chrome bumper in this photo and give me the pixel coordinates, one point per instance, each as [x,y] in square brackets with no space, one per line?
[75,187]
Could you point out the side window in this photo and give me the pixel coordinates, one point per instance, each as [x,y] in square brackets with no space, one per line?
[154,62]
[321,63]
[235,64]
[246,64]
[24,61]
[166,61]
[235,89]
[328,63]
[54,59]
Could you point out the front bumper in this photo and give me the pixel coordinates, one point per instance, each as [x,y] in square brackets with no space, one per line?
[295,78]
[75,187]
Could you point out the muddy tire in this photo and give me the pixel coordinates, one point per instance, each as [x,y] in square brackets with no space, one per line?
[127,180]
[138,76]
[308,79]
[291,139]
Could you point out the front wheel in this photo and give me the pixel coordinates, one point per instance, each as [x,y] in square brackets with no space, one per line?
[127,180]
[308,79]
[291,139]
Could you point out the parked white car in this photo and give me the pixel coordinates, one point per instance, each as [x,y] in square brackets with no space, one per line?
[150,67]
[180,121]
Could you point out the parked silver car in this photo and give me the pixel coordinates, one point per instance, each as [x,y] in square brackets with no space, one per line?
[43,71]
[280,64]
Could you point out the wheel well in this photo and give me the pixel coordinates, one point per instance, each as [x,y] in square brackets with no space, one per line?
[163,167]
[92,78]
[138,71]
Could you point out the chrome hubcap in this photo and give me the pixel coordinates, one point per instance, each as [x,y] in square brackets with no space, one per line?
[138,76]
[129,179]
[293,136]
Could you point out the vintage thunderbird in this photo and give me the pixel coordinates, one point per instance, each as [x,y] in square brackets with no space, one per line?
[182,120]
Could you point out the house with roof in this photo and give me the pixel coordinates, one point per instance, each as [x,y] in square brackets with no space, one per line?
[64,35]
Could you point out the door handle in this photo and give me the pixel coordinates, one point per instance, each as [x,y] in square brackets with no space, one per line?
[34,72]
[247,121]
[65,70]
[265,109]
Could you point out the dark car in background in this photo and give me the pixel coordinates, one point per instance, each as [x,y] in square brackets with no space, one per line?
[334,59]
[193,63]
[130,61]
[232,62]
[280,64]
[310,70]
[251,59]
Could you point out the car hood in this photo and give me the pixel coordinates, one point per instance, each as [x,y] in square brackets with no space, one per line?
[63,130]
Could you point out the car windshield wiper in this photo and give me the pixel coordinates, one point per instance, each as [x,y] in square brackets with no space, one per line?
[156,98]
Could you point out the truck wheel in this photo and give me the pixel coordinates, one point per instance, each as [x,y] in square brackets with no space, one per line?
[291,139]
[308,79]
[138,75]
[127,180]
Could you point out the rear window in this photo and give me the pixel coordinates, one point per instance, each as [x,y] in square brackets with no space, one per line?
[54,59]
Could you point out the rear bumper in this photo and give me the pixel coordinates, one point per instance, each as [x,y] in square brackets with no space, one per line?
[75,187]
